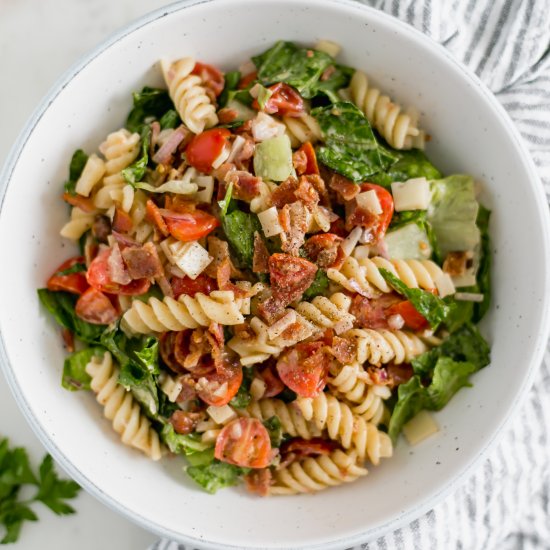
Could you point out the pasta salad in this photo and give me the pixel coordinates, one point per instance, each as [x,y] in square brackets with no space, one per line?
[274,281]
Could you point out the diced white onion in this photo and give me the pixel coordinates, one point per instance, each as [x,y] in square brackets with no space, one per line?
[413,194]
[270,222]
[236,148]
[349,243]
[469,297]
[222,157]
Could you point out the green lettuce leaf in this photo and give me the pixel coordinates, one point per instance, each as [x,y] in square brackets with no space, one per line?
[350,147]
[232,79]
[135,172]
[149,103]
[434,309]
[182,444]
[274,427]
[170,119]
[216,475]
[411,399]
[339,79]
[62,307]
[75,376]
[318,287]
[78,161]
[484,269]
[242,398]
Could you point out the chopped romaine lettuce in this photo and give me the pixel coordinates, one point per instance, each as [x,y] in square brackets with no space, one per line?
[136,170]
[484,269]
[337,80]
[231,83]
[216,475]
[62,307]
[243,397]
[274,427]
[149,103]
[78,161]
[408,242]
[318,287]
[182,444]
[434,309]
[350,147]
[419,217]
[75,376]
[273,159]
[170,119]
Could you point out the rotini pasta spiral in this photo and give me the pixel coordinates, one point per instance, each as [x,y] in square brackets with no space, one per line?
[120,407]
[91,175]
[189,96]
[383,346]
[80,223]
[301,129]
[186,312]
[327,412]
[326,313]
[292,421]
[364,274]
[254,349]
[398,129]
[314,474]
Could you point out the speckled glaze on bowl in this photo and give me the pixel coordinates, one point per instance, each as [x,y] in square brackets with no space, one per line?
[471,133]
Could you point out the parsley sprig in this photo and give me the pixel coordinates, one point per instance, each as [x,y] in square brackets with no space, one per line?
[15,472]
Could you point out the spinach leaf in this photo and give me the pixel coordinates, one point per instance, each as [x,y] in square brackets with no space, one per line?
[434,309]
[170,119]
[149,103]
[484,269]
[300,67]
[75,376]
[242,398]
[318,287]
[182,444]
[449,376]
[135,172]
[216,475]
[350,147]
[339,79]
[232,79]
[411,399]
[78,161]
[410,164]
[274,427]
[62,307]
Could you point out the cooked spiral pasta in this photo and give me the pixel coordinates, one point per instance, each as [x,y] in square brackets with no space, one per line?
[398,129]
[383,346]
[263,200]
[80,223]
[314,474]
[364,274]
[91,175]
[254,349]
[327,412]
[189,95]
[120,407]
[141,228]
[301,129]
[293,422]
[186,312]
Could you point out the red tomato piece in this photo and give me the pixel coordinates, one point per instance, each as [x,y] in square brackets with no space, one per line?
[206,147]
[73,282]
[274,385]
[284,100]
[377,223]
[96,308]
[155,217]
[413,319]
[84,203]
[247,80]
[244,442]
[98,277]
[191,226]
[211,77]
[304,368]
[312,167]
[230,380]
[185,285]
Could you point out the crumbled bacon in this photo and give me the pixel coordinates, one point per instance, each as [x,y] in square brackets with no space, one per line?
[142,262]
[258,481]
[323,249]
[372,313]
[398,374]
[219,250]
[344,350]
[244,155]
[227,115]
[187,389]
[118,272]
[456,263]
[155,217]
[299,161]
[317,182]
[122,221]
[101,228]
[260,260]
[215,339]
[220,174]
[298,223]
[293,189]
[185,422]
[358,216]
[245,185]
[379,375]
[298,449]
[223,275]
[345,189]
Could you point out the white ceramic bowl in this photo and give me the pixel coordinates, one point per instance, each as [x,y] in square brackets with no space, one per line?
[471,133]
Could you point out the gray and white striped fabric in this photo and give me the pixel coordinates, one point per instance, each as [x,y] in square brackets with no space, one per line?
[506,504]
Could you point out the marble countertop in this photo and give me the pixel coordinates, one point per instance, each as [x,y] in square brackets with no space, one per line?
[39,41]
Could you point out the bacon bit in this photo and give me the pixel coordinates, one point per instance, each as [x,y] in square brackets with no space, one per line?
[299,448]
[309,53]
[398,374]
[344,350]
[155,217]
[220,174]
[116,267]
[122,221]
[284,219]
[166,350]
[101,228]
[245,185]
[371,313]
[345,188]
[285,193]
[219,250]
[260,260]
[223,275]
[456,263]
[84,203]
[324,249]
[185,422]
[299,161]
[143,262]
[165,285]
[215,339]
[187,389]
[226,115]
[68,339]
[178,204]
[242,158]
[274,385]
[190,350]
[338,228]
[298,223]
[357,216]
[124,240]
[328,72]
[258,481]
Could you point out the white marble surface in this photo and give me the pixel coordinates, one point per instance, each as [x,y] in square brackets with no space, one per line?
[39,40]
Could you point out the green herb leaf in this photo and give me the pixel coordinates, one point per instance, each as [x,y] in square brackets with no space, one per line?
[150,103]
[78,161]
[433,308]
[318,287]
[350,147]
[135,172]
[75,376]
[232,79]
[216,475]
[170,119]
[274,427]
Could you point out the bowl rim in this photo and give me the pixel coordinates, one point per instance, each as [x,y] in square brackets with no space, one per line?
[430,500]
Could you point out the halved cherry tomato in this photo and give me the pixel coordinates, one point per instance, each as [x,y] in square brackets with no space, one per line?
[84,203]
[122,221]
[284,100]
[244,442]
[73,282]
[99,278]
[304,368]
[247,79]
[312,166]
[191,226]
[96,308]
[231,376]
[206,147]
[155,217]
[413,319]
[185,285]
[380,223]
[211,77]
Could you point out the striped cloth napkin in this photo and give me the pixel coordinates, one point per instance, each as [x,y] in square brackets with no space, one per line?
[506,504]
